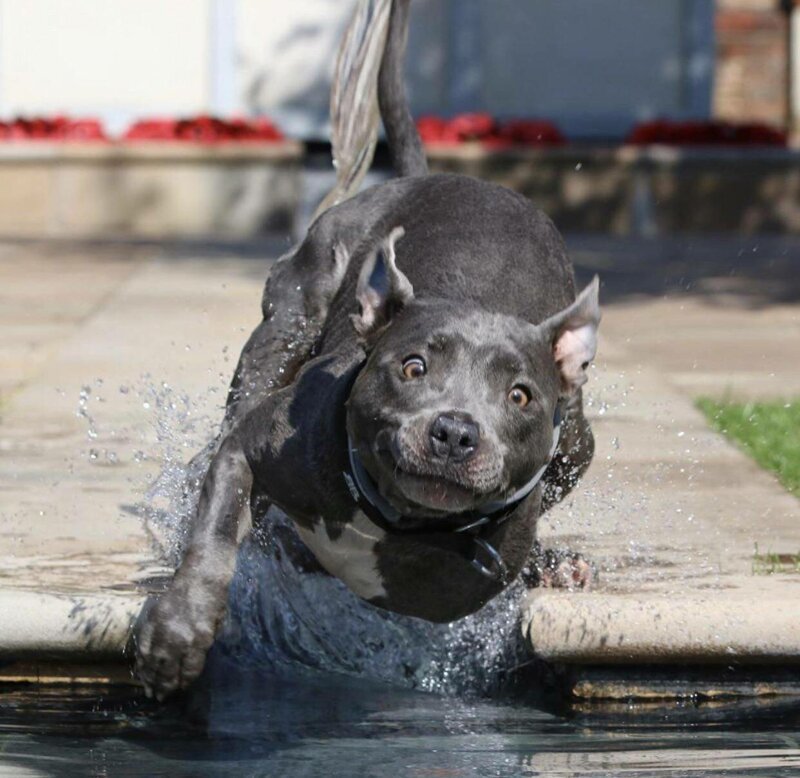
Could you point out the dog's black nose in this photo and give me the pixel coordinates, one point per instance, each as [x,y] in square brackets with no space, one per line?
[454,436]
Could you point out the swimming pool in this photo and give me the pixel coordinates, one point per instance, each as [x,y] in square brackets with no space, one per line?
[247,722]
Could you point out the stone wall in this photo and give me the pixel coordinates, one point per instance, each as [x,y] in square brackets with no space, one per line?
[750,76]
[150,190]
[645,191]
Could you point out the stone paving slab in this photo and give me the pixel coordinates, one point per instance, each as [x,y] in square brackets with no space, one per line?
[164,333]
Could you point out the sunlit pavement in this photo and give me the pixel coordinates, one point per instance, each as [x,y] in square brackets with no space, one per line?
[115,359]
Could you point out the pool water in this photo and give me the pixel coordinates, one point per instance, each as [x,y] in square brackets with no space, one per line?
[247,722]
[308,680]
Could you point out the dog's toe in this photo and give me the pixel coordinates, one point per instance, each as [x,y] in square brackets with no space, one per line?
[573,572]
[170,650]
[559,569]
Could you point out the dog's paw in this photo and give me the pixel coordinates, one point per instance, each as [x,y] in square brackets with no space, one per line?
[559,569]
[171,642]
[571,572]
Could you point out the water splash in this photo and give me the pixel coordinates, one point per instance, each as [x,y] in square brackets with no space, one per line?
[179,425]
[283,616]
[170,501]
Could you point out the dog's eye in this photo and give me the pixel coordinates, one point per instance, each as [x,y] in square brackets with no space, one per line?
[519,395]
[414,367]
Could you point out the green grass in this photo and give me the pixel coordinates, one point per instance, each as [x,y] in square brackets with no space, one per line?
[768,431]
[771,562]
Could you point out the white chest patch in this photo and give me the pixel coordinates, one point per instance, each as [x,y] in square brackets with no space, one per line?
[351,557]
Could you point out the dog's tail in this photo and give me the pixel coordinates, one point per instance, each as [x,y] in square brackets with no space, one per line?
[368,76]
[405,145]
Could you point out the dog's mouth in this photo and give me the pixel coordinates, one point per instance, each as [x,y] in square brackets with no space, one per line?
[423,487]
[435,492]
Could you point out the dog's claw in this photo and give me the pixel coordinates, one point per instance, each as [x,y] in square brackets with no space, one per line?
[559,569]
[574,572]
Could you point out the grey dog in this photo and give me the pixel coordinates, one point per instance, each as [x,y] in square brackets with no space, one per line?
[411,400]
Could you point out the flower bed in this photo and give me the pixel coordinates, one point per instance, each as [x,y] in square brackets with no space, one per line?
[485,129]
[710,133]
[57,128]
[481,128]
[204,129]
[200,129]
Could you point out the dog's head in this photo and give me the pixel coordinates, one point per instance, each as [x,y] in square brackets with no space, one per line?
[454,407]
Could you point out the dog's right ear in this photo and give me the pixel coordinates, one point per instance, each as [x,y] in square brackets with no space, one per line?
[382,289]
[573,335]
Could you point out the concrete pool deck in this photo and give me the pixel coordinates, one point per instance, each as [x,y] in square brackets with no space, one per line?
[114,360]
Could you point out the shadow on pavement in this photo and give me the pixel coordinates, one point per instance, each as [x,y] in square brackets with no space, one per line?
[731,270]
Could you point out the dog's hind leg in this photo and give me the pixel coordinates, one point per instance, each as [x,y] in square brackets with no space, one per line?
[295,302]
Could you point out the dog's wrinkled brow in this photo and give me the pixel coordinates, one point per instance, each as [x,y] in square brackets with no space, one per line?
[437,342]
[504,362]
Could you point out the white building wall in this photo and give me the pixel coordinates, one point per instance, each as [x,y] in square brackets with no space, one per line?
[119,58]
[594,66]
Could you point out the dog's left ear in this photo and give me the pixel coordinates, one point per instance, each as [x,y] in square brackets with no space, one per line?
[573,337]
[382,289]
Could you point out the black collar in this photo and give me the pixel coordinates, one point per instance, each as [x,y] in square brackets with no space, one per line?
[482,555]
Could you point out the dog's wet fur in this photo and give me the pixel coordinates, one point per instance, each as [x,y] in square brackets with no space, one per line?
[431,323]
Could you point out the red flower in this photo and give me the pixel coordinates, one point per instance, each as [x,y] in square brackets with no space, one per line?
[204,129]
[484,128]
[471,126]
[55,128]
[431,129]
[705,133]
[532,132]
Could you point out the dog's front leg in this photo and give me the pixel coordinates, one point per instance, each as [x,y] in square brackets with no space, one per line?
[176,631]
